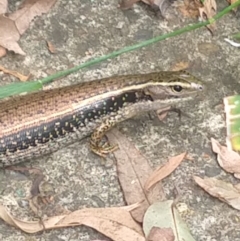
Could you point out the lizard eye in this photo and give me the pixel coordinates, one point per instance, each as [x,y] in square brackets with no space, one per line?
[177,88]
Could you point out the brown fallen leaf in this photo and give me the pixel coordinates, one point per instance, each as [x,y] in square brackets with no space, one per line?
[161,234]
[133,171]
[3,51]
[3,6]
[188,8]
[51,47]
[208,10]
[115,223]
[182,65]
[224,191]
[13,26]
[163,171]
[28,10]
[228,160]
[9,35]
[15,73]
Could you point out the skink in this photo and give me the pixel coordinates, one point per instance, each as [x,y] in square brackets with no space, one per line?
[39,123]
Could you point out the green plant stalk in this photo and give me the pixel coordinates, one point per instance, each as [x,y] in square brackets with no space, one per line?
[10,89]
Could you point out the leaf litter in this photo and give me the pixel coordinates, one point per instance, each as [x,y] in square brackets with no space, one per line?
[188,8]
[16,23]
[101,219]
[133,171]
[118,223]
[15,73]
[227,192]
[165,170]
[164,222]
[224,191]
[228,160]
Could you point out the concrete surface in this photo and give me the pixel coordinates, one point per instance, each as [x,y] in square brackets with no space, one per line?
[84,29]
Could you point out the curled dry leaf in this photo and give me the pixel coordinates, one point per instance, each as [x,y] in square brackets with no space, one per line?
[116,223]
[165,170]
[14,73]
[229,160]
[224,191]
[133,171]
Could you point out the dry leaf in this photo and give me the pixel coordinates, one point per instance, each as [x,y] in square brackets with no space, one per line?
[9,35]
[165,170]
[17,23]
[188,8]
[224,191]
[208,10]
[3,6]
[3,51]
[161,234]
[28,11]
[133,171]
[229,160]
[116,223]
[51,48]
[180,66]
[14,73]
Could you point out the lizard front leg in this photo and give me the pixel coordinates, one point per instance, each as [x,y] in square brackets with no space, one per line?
[122,114]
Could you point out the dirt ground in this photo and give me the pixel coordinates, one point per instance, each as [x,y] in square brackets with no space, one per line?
[81,30]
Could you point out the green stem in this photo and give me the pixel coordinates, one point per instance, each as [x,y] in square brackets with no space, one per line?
[139,45]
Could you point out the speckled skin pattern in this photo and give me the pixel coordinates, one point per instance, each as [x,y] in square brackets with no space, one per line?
[40,123]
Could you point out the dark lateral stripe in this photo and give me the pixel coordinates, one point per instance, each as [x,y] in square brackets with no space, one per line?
[58,128]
